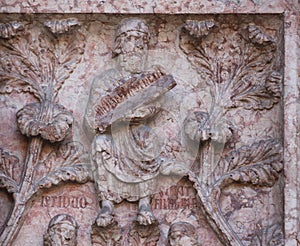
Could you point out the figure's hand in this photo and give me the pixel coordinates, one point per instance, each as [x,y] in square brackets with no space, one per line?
[169,167]
[196,126]
[142,113]
[221,135]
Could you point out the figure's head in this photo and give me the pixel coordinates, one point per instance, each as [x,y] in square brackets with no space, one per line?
[181,234]
[62,230]
[131,44]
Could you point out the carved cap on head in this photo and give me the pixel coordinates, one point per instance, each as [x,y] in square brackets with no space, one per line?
[131,27]
[63,219]
[132,24]
[183,227]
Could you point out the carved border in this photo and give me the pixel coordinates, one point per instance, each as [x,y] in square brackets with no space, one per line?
[288,8]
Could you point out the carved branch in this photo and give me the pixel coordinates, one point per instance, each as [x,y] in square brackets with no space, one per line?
[258,164]
[8,183]
[39,67]
[247,160]
[237,67]
[77,173]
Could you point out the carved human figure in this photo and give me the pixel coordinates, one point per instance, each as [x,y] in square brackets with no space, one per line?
[125,154]
[182,234]
[62,230]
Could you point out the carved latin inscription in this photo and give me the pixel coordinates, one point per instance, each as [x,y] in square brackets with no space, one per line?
[64,201]
[177,130]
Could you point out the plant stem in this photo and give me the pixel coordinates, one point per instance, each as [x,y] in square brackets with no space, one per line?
[26,190]
[16,219]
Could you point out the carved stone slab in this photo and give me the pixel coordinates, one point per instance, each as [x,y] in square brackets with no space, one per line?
[198,160]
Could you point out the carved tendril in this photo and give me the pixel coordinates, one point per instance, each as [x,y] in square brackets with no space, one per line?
[61,26]
[55,130]
[199,29]
[9,30]
[257,36]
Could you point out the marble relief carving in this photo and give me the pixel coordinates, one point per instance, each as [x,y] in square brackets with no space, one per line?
[239,65]
[38,65]
[62,230]
[180,134]
[183,233]
[125,154]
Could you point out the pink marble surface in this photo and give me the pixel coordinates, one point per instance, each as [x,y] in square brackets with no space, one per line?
[290,10]
[154,6]
[291,131]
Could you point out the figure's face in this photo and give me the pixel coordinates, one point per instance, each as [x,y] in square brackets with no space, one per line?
[177,238]
[133,52]
[63,235]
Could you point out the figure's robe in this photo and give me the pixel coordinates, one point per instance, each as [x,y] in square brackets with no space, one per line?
[126,157]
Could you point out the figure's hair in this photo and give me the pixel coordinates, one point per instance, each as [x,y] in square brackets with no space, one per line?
[127,25]
[59,219]
[186,229]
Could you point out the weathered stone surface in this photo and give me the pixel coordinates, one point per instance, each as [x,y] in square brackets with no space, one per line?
[201,159]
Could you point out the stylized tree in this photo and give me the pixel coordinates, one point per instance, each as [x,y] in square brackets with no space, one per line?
[238,63]
[39,64]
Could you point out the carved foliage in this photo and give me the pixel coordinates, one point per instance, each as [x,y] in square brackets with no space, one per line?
[109,235]
[114,235]
[65,164]
[9,30]
[9,171]
[61,26]
[257,164]
[56,129]
[238,62]
[272,235]
[40,65]
[199,29]
[144,235]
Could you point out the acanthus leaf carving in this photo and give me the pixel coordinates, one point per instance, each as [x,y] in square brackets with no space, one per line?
[68,163]
[238,67]
[68,154]
[78,173]
[199,29]
[54,130]
[108,235]
[19,67]
[271,235]
[38,65]
[258,164]
[238,63]
[143,235]
[10,30]
[9,175]
[61,26]
[8,183]
[67,47]
[257,36]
